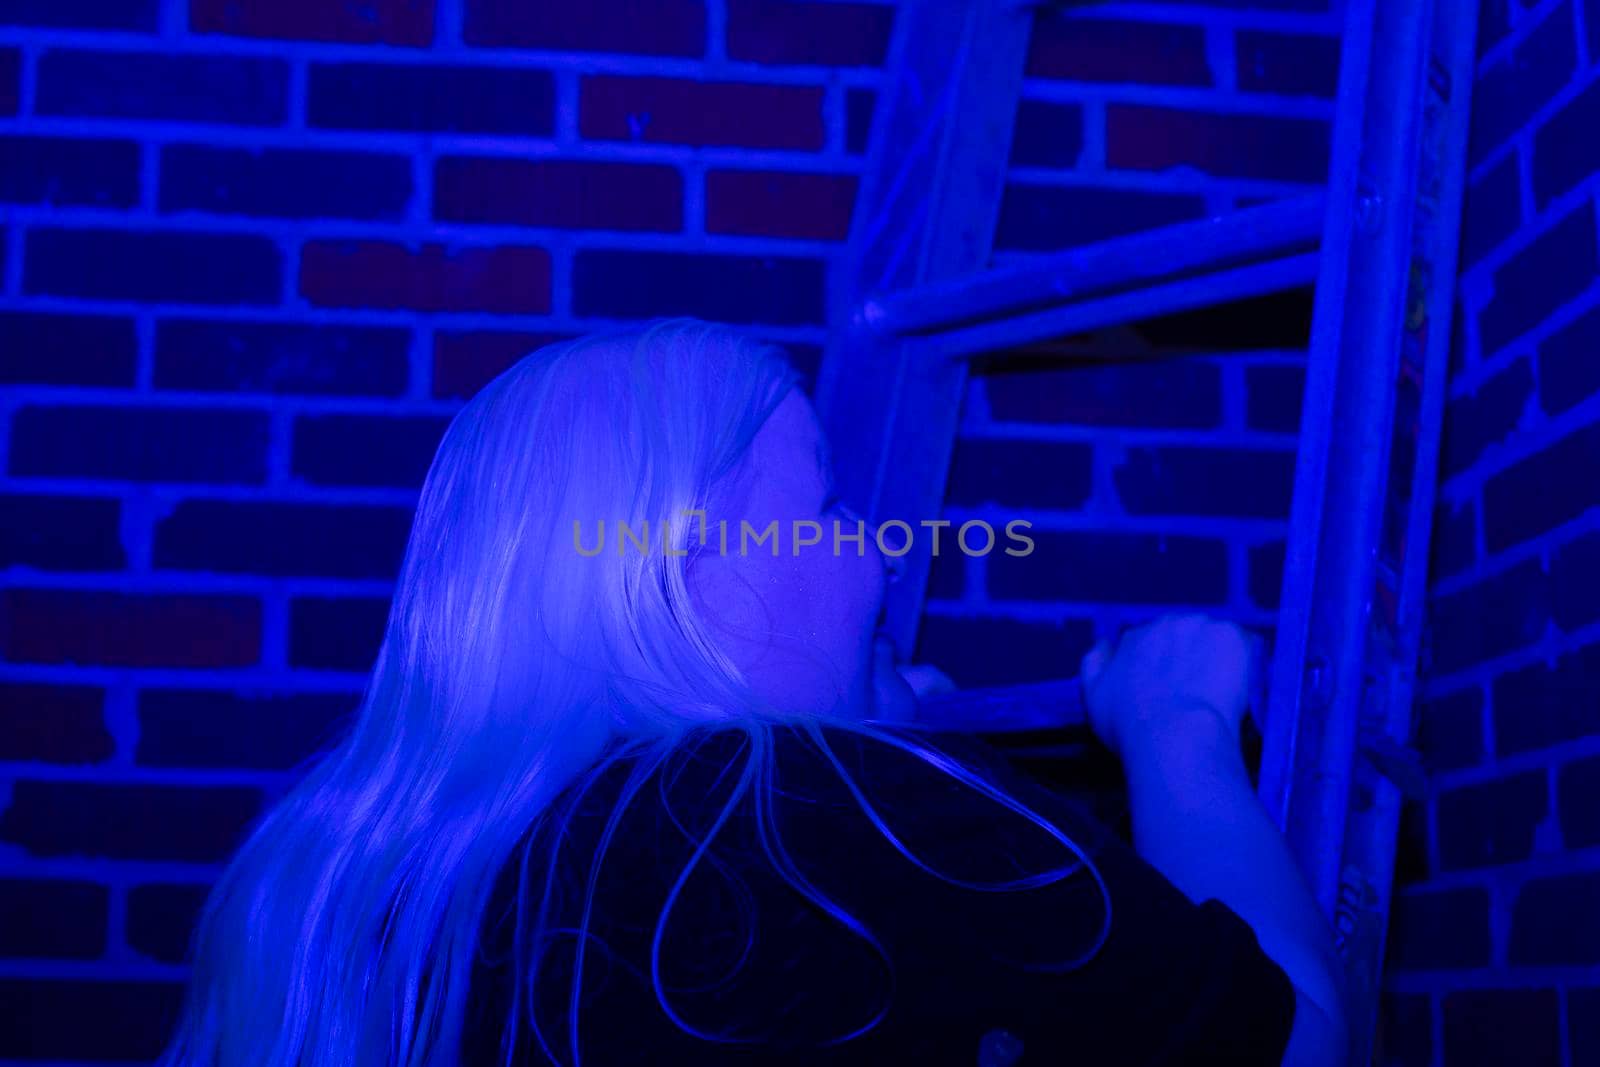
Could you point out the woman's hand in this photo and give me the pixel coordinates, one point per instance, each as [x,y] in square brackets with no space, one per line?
[926,680]
[1161,673]
[899,687]
[1168,699]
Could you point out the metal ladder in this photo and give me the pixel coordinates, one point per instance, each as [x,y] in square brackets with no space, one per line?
[914,300]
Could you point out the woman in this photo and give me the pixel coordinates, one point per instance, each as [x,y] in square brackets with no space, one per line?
[618,798]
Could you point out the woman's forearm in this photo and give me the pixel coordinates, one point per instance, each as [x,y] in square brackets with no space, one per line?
[1197,820]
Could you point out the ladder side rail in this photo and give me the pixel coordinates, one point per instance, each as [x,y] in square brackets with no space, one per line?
[1368,868]
[927,208]
[1299,689]
[1137,260]
[1359,445]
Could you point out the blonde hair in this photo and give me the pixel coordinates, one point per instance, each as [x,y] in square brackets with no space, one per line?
[511,670]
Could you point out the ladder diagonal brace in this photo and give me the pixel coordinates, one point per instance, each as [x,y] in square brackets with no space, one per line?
[1136,261]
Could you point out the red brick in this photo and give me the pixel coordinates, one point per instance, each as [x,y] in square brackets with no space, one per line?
[1493,822]
[10,80]
[1574,575]
[657,28]
[1484,1027]
[859,107]
[1265,579]
[1079,49]
[243,356]
[60,171]
[569,194]
[165,85]
[645,284]
[1568,372]
[1591,22]
[161,919]
[187,444]
[1294,64]
[1494,616]
[48,1019]
[53,723]
[673,111]
[128,820]
[1047,218]
[1547,703]
[55,920]
[1488,417]
[347,449]
[774,204]
[289,537]
[256,729]
[56,532]
[829,35]
[289,183]
[134,16]
[1233,146]
[1273,395]
[434,277]
[1167,393]
[1543,491]
[979,651]
[514,101]
[398,22]
[1449,729]
[1005,471]
[1510,91]
[1555,267]
[1554,922]
[1179,480]
[1583,1004]
[1405,1023]
[1106,567]
[336,633]
[1446,929]
[1455,538]
[154,266]
[1411,863]
[466,361]
[129,630]
[1578,801]
[1047,134]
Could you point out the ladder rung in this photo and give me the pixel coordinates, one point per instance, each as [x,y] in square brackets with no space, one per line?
[1049,705]
[1004,709]
[1135,305]
[1138,260]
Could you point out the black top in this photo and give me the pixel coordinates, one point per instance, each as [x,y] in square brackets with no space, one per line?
[975,976]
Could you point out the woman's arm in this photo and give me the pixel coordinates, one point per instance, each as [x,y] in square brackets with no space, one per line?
[1169,701]
[1197,820]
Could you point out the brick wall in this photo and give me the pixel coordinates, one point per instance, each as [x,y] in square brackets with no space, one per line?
[1495,942]
[1155,480]
[254,253]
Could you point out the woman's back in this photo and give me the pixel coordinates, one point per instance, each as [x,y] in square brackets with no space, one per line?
[744,952]
[347,927]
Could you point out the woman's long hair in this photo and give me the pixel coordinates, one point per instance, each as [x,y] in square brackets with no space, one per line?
[514,665]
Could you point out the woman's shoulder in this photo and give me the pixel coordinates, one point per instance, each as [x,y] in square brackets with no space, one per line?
[847,805]
[956,781]
[848,868]
[907,831]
